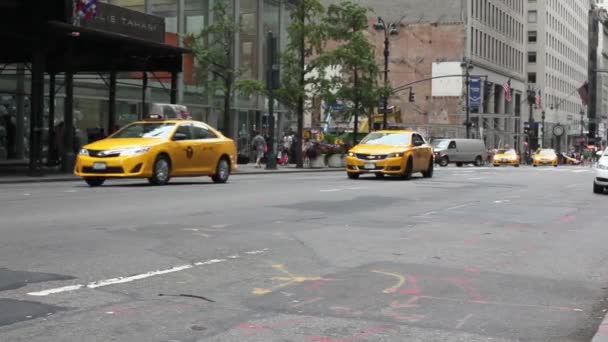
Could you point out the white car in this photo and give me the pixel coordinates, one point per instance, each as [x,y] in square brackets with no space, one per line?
[600,183]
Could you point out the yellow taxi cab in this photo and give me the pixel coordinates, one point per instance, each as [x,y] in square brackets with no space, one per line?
[544,156]
[506,156]
[158,149]
[397,153]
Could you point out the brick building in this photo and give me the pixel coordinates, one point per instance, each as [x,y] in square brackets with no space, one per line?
[432,40]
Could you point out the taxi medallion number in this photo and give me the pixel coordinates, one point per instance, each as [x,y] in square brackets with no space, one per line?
[99,166]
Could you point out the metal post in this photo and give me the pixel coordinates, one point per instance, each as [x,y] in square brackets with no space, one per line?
[582,129]
[20,124]
[50,160]
[592,71]
[542,141]
[271,159]
[181,28]
[174,87]
[112,103]
[68,158]
[300,133]
[37,108]
[468,108]
[531,144]
[386,55]
[144,93]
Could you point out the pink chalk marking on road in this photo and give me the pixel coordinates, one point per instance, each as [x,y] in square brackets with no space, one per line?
[413,288]
[251,329]
[465,285]
[472,241]
[316,285]
[472,270]
[410,303]
[368,333]
[567,219]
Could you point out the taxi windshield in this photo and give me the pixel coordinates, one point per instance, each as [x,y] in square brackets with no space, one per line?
[145,130]
[441,144]
[380,138]
[507,152]
[546,152]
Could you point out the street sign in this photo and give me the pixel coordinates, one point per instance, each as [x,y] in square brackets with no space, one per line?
[475,92]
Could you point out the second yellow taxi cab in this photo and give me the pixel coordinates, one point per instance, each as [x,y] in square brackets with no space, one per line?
[158,150]
[506,156]
[395,153]
[544,156]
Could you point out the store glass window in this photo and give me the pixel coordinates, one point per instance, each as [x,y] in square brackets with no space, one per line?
[136,5]
[248,43]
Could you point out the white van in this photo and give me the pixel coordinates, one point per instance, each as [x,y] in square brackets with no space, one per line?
[459,151]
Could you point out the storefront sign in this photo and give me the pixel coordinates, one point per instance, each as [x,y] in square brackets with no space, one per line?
[475,92]
[131,23]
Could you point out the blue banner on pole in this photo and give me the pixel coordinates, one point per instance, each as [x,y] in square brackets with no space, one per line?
[475,92]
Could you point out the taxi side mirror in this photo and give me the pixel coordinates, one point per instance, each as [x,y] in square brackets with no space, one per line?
[179,137]
[418,143]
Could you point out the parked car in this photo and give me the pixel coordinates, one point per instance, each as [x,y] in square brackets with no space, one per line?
[460,152]
[600,182]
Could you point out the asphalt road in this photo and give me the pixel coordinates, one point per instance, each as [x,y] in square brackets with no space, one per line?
[473,254]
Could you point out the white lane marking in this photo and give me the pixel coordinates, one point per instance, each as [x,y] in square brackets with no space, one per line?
[502,201]
[331,190]
[579,171]
[457,207]
[463,321]
[257,252]
[70,191]
[122,280]
[477,178]
[426,214]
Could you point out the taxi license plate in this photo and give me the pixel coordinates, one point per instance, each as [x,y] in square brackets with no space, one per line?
[99,166]
[369,166]
[504,160]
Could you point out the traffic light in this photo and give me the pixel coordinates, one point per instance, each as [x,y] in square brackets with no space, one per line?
[412,96]
[487,88]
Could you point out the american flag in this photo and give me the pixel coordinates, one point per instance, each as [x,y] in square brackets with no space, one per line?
[86,9]
[508,91]
[538,100]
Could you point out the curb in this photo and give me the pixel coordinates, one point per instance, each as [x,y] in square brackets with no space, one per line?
[66,178]
[601,334]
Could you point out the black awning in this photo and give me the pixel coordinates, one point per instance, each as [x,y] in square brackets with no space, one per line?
[99,51]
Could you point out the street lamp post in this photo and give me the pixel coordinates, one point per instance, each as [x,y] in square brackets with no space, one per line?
[531,101]
[389,30]
[542,141]
[582,129]
[466,64]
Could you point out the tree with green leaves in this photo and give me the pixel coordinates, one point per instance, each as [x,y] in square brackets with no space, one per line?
[301,68]
[357,83]
[213,50]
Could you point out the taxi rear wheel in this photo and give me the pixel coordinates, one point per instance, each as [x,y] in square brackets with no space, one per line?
[94,181]
[429,170]
[407,173]
[162,171]
[222,172]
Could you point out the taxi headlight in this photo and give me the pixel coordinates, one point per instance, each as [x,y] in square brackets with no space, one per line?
[83,152]
[133,151]
[351,154]
[395,155]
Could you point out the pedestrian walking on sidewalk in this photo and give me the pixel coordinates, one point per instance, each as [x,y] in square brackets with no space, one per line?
[259,145]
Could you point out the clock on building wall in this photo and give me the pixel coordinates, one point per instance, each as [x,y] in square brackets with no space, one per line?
[558,130]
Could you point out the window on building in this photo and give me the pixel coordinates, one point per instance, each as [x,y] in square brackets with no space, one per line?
[531,77]
[531,57]
[532,16]
[531,36]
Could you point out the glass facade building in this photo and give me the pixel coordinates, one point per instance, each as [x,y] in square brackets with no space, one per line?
[91,105]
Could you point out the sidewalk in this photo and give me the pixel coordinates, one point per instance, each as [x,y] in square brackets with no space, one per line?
[246,169]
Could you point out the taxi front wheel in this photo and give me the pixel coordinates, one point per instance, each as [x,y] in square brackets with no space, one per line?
[94,181]
[162,171]
[222,172]
[352,175]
